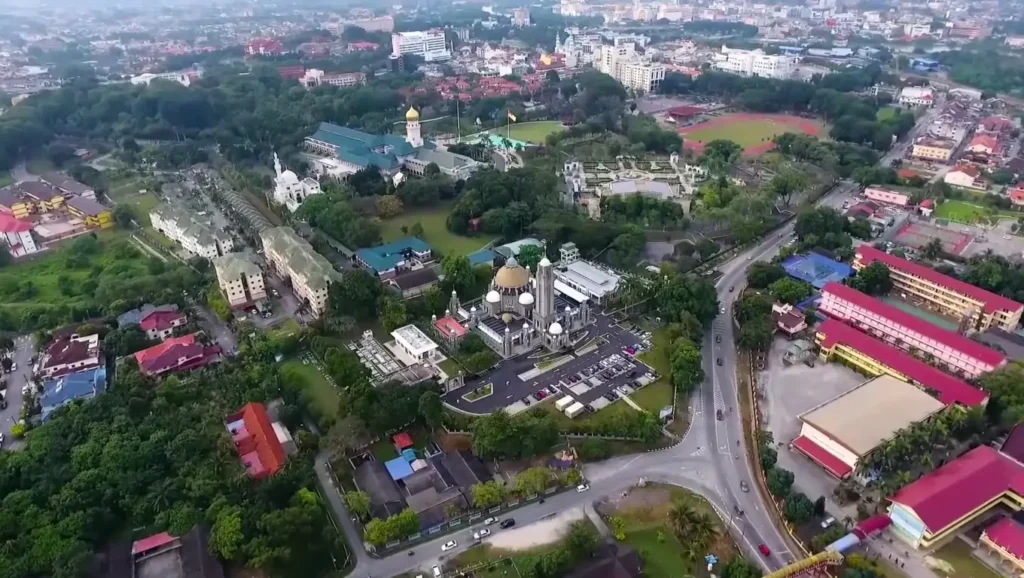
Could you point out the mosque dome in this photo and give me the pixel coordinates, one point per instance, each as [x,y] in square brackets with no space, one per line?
[412,115]
[544,262]
[493,297]
[555,328]
[289,177]
[512,275]
[507,318]
[526,299]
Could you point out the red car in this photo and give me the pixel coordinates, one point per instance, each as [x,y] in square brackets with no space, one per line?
[765,550]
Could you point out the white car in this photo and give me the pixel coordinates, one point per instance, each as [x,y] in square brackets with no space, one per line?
[827,522]
[490,521]
[449,545]
[582,488]
[482,533]
[436,570]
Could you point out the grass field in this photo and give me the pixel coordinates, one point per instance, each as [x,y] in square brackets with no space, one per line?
[655,396]
[885,113]
[435,231]
[958,555]
[533,132]
[960,211]
[746,134]
[316,386]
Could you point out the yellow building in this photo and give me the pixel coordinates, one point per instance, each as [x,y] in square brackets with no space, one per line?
[45,197]
[94,214]
[933,150]
[17,206]
[950,296]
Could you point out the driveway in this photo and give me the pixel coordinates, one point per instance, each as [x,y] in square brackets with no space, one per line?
[217,329]
[22,357]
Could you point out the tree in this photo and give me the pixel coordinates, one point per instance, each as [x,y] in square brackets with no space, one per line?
[692,527]
[594,450]
[798,508]
[720,155]
[348,434]
[762,274]
[739,567]
[752,307]
[756,335]
[431,409]
[125,341]
[226,534]
[780,481]
[392,314]
[819,506]
[790,290]
[355,295]
[872,280]
[933,250]
[124,216]
[431,170]
[458,274]
[686,366]
[487,494]
[686,293]
[787,182]
[389,206]
[358,503]
[1006,386]
[529,256]
[533,481]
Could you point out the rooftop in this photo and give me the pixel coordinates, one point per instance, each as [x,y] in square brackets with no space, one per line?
[415,279]
[871,413]
[60,391]
[299,256]
[135,316]
[898,317]
[949,389]
[232,266]
[75,349]
[39,190]
[257,443]
[363,149]
[8,224]
[991,301]
[67,183]
[387,256]
[641,186]
[414,339]
[160,320]
[177,353]
[596,281]
[1009,535]
[450,326]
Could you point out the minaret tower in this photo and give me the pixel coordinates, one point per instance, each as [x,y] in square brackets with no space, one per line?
[544,312]
[412,128]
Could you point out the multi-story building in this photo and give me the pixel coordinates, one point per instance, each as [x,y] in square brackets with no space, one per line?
[176,354]
[160,324]
[887,196]
[966,176]
[622,63]
[240,279]
[430,44]
[91,212]
[295,259]
[933,149]
[755,63]
[314,77]
[194,237]
[17,235]
[917,96]
[952,297]
[68,354]
[521,17]
[390,259]
[956,353]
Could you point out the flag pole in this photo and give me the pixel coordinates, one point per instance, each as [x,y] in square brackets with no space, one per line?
[508,125]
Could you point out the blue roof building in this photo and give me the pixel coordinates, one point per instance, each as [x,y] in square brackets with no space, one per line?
[386,260]
[816,269]
[81,385]
[482,257]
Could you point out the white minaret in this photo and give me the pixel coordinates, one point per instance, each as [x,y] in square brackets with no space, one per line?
[412,128]
[277,165]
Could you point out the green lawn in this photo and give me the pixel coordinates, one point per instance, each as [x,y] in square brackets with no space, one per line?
[435,231]
[960,211]
[533,132]
[958,555]
[655,396]
[316,386]
[661,551]
[384,450]
[746,134]
[565,423]
[885,113]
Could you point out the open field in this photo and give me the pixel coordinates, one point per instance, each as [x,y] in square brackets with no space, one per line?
[435,231]
[964,212]
[885,113]
[753,132]
[532,132]
[321,392]
[655,396]
[958,555]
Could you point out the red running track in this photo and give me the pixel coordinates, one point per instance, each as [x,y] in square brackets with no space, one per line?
[789,122]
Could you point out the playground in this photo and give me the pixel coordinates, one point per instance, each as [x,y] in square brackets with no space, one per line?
[753,132]
[917,235]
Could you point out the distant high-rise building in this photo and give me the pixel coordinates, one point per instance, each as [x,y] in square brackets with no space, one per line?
[755,63]
[430,44]
[623,64]
[521,17]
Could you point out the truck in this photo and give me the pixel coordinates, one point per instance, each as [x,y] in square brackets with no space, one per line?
[574,410]
[563,403]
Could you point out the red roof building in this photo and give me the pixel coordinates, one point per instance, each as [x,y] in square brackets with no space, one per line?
[402,440]
[685,112]
[957,353]
[950,296]
[263,47]
[983,143]
[259,448]
[1016,194]
[151,543]
[160,324]
[1006,538]
[362,46]
[291,72]
[177,354]
[874,358]
[70,354]
[939,504]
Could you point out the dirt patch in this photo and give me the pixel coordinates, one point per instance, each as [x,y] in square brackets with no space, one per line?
[538,533]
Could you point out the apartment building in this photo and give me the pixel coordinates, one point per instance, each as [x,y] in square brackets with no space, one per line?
[240,279]
[622,63]
[755,63]
[295,259]
[933,149]
[917,96]
[315,77]
[983,309]
[430,44]
[196,238]
[948,349]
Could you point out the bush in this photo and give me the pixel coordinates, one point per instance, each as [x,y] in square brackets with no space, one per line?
[594,450]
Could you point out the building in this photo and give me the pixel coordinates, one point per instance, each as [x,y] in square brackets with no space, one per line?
[521,17]
[1016,194]
[314,77]
[983,145]
[69,186]
[966,176]
[872,357]
[414,283]
[887,196]
[70,354]
[416,346]
[948,349]
[161,324]
[258,440]
[17,235]
[755,63]
[933,149]
[135,316]
[91,212]
[837,434]
[14,202]
[429,44]
[289,190]
[1005,540]
[44,197]
[788,319]
[942,503]
[622,63]
[240,280]
[161,556]
[176,354]
[195,237]
[593,281]
[182,77]
[384,23]
[390,259]
[816,269]
[950,296]
[451,164]
[264,47]
[295,259]
[66,389]
[917,96]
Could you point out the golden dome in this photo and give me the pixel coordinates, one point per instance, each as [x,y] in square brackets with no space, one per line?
[412,115]
[512,276]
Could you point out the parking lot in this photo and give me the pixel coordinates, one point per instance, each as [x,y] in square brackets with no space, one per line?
[606,371]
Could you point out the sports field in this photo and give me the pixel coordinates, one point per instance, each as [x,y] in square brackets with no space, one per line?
[753,132]
[532,132]
[435,231]
[964,212]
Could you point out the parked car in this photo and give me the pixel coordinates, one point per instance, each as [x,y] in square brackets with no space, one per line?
[765,550]
[507,523]
[589,408]
[582,488]
[526,400]
[827,522]
[449,545]
[436,570]
[718,361]
[490,521]
[482,533]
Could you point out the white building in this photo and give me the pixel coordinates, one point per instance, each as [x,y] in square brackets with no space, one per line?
[17,235]
[416,346]
[755,63]
[195,237]
[430,44]
[917,96]
[240,279]
[315,77]
[623,64]
[597,283]
[183,77]
[1015,41]
[295,259]
[289,190]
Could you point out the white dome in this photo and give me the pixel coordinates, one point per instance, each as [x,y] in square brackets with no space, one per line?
[472,309]
[493,297]
[567,310]
[544,262]
[289,177]
[526,299]
[555,329]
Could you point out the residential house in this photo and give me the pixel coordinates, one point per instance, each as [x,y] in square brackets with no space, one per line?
[69,186]
[966,176]
[161,324]
[135,316]
[788,319]
[69,388]
[1016,194]
[260,442]
[176,354]
[69,354]
[91,212]
[195,237]
[414,283]
[983,144]
[240,279]
[160,555]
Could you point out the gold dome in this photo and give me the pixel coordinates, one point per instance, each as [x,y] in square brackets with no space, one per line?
[412,115]
[512,276]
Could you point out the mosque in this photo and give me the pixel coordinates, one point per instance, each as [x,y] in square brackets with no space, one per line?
[289,190]
[521,312]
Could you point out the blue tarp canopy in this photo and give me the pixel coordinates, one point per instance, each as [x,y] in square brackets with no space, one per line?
[409,454]
[399,468]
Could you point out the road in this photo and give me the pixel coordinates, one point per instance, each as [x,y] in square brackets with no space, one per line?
[20,174]
[22,357]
